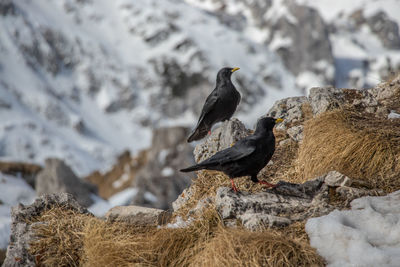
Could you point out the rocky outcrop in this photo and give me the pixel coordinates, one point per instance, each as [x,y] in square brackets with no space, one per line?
[288,202]
[21,230]
[159,182]
[137,215]
[57,177]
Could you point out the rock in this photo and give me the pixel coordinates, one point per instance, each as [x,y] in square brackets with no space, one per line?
[296,132]
[334,178]
[281,209]
[324,98]
[21,234]
[137,215]
[57,177]
[159,182]
[182,198]
[223,137]
[288,202]
[256,221]
[290,109]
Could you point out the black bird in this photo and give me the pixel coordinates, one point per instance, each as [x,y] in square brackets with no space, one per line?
[219,106]
[247,157]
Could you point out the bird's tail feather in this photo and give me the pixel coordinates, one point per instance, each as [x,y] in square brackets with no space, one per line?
[199,133]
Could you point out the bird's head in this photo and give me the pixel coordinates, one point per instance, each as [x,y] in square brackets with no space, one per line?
[266,124]
[225,73]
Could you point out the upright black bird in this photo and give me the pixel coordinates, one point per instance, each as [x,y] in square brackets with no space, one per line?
[219,106]
[247,157]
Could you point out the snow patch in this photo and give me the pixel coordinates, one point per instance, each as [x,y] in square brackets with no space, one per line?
[167,171]
[366,235]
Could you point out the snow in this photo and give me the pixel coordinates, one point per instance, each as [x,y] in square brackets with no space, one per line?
[366,235]
[107,60]
[13,190]
[167,171]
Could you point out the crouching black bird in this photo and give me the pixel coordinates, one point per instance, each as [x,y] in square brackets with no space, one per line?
[219,106]
[247,157]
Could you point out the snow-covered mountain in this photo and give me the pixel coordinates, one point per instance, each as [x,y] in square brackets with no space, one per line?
[83,80]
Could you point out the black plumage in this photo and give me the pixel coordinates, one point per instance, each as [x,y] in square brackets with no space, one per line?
[219,106]
[247,157]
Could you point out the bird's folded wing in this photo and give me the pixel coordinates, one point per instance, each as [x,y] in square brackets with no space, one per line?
[239,151]
[209,105]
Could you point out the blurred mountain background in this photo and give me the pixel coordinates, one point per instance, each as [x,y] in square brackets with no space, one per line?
[113,87]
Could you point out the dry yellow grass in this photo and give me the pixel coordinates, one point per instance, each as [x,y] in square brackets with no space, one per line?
[70,239]
[358,145]
[59,238]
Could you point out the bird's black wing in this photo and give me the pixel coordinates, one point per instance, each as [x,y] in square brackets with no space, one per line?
[201,128]
[241,149]
[209,105]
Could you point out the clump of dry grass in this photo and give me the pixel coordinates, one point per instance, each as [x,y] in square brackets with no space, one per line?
[67,238]
[358,145]
[239,247]
[59,237]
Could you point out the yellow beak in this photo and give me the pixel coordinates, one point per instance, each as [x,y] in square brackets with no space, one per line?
[278,120]
[235,69]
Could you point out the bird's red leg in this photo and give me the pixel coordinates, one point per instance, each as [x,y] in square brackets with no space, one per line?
[209,132]
[267,184]
[234,186]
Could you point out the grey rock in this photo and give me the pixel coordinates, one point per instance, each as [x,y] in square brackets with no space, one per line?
[182,199]
[296,132]
[21,234]
[137,215]
[335,178]
[256,221]
[281,209]
[57,177]
[223,137]
[325,98]
[288,202]
[289,109]
[161,176]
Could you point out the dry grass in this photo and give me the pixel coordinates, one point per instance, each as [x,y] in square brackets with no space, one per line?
[59,238]
[358,145]
[70,239]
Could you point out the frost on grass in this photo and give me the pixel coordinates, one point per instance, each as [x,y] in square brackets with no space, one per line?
[366,235]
